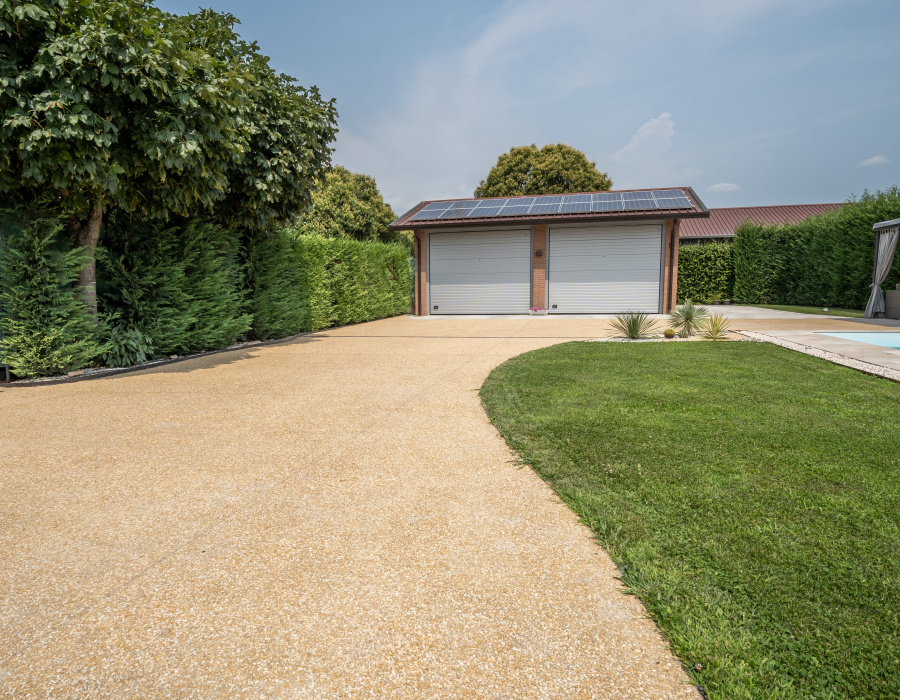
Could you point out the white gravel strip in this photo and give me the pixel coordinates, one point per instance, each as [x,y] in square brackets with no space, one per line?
[867,367]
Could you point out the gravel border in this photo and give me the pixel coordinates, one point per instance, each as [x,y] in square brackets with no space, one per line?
[859,365]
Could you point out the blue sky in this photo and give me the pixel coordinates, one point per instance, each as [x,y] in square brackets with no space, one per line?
[751,102]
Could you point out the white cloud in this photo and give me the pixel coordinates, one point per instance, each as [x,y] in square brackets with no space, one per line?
[873,161]
[653,138]
[723,187]
[644,161]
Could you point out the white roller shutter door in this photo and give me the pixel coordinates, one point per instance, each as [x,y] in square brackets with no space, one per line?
[480,272]
[605,268]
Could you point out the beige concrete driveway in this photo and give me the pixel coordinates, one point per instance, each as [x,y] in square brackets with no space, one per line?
[328,517]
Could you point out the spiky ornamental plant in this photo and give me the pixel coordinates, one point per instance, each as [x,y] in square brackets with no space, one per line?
[716,327]
[633,325]
[687,318]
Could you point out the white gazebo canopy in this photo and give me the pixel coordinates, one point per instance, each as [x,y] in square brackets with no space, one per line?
[886,233]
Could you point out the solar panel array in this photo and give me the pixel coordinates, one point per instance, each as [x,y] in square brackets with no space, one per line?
[557,204]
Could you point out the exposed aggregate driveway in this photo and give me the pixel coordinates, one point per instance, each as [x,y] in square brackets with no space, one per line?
[333,516]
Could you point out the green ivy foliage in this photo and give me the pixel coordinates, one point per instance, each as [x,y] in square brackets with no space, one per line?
[705,272]
[348,205]
[553,169]
[46,328]
[182,286]
[825,260]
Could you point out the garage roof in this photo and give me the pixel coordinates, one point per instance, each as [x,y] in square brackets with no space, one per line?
[681,203]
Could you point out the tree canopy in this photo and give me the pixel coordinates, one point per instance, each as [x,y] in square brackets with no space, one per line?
[118,104]
[348,205]
[553,169]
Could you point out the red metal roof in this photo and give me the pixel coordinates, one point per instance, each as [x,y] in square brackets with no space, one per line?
[722,222]
[699,210]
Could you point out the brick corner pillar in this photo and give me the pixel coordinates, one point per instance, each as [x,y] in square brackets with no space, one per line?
[420,294]
[539,265]
[670,277]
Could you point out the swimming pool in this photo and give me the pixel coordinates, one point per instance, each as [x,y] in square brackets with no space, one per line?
[885,340]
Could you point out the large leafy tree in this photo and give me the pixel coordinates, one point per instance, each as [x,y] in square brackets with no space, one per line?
[118,104]
[348,205]
[553,169]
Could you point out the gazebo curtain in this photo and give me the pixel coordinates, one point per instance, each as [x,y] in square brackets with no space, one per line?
[884,258]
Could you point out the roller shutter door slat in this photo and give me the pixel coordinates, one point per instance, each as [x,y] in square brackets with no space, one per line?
[605,269]
[480,272]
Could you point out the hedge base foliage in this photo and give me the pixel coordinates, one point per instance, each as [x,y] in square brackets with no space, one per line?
[825,260]
[705,272]
[46,328]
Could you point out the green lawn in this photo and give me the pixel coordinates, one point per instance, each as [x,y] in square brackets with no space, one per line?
[749,494]
[852,313]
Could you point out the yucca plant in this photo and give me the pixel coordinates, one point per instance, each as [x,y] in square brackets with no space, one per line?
[633,325]
[716,327]
[687,319]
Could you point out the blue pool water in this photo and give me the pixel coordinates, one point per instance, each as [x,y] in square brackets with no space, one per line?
[885,340]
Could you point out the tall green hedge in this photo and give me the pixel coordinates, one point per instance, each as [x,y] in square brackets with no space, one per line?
[46,329]
[705,272]
[183,286]
[825,260]
[334,282]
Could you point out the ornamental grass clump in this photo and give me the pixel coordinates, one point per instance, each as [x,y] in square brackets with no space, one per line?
[633,325]
[716,327]
[687,319]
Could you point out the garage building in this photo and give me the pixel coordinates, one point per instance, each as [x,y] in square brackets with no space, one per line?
[587,253]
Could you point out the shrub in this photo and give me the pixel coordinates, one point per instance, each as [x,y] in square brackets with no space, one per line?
[669,333]
[825,260]
[127,347]
[633,325]
[46,328]
[687,318]
[705,272]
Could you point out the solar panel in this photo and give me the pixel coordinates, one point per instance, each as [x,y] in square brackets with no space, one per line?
[638,204]
[598,202]
[672,199]
[568,207]
[515,210]
[545,208]
[485,211]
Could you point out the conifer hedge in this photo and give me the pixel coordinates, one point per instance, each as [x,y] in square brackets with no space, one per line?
[705,272]
[46,328]
[184,288]
[825,260]
[332,282]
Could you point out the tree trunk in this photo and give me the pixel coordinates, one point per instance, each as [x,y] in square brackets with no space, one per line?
[87,234]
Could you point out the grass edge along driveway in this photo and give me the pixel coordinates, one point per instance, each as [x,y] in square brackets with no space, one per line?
[749,495]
